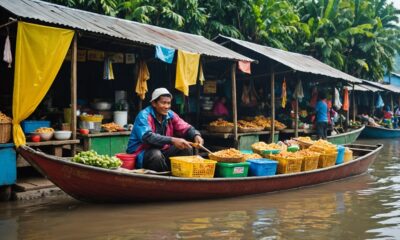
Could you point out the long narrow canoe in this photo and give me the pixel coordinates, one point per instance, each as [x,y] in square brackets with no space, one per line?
[347,137]
[88,183]
[380,132]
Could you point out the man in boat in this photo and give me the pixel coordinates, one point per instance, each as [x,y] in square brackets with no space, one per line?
[159,133]
[321,112]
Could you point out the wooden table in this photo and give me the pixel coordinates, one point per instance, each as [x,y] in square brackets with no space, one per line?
[108,143]
[244,139]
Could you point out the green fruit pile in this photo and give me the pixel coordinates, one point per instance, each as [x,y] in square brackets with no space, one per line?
[92,158]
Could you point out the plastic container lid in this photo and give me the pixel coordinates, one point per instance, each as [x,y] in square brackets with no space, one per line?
[262,161]
[293,148]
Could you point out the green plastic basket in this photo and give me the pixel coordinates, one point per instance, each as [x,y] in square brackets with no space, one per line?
[232,169]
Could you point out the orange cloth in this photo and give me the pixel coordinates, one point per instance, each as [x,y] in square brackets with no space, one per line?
[141,83]
[244,67]
[346,100]
[284,94]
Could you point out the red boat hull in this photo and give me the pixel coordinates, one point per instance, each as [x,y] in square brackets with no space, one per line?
[102,185]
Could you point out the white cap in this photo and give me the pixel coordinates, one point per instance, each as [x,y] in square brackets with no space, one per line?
[159,92]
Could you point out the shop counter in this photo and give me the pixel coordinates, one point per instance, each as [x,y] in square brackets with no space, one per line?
[108,143]
[244,139]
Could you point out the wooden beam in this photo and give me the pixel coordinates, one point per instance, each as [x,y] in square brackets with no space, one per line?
[74,77]
[391,102]
[234,105]
[272,106]
[296,120]
[353,98]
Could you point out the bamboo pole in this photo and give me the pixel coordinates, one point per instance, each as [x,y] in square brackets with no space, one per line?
[272,107]
[348,112]
[391,102]
[373,104]
[74,89]
[234,105]
[353,98]
[296,121]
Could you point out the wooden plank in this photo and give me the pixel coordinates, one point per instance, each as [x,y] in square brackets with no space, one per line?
[105,134]
[353,98]
[53,143]
[234,104]
[231,135]
[28,184]
[74,77]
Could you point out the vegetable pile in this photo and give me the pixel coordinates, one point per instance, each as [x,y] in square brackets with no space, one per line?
[92,158]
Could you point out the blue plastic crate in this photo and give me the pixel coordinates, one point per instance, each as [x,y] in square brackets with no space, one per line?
[8,164]
[262,167]
[340,155]
[31,125]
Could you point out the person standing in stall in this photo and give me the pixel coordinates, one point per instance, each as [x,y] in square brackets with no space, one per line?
[321,111]
[159,133]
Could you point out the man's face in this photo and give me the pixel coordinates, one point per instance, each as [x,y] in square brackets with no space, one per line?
[162,105]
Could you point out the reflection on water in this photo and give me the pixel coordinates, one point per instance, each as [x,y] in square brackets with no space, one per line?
[364,207]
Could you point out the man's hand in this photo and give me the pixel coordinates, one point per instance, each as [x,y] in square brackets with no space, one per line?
[181,143]
[198,139]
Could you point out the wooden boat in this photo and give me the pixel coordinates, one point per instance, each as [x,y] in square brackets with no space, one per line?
[88,183]
[347,137]
[380,132]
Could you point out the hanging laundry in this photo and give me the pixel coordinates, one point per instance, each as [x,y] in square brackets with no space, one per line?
[245,95]
[141,83]
[108,73]
[298,91]
[284,93]
[379,102]
[187,68]
[337,104]
[201,74]
[345,99]
[165,54]
[314,97]
[7,56]
[244,66]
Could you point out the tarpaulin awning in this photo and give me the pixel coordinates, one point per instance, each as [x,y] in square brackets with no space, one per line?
[118,28]
[296,61]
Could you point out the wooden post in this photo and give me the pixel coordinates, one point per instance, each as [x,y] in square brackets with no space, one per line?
[234,105]
[373,104]
[273,107]
[74,89]
[353,98]
[296,115]
[348,112]
[391,102]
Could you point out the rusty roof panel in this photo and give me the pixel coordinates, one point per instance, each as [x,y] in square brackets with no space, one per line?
[118,28]
[296,61]
[387,87]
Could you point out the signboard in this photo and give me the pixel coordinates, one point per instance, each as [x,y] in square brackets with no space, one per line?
[95,55]
[210,87]
[130,58]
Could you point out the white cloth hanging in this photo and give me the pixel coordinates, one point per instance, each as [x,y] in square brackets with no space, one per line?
[337,103]
[298,91]
[7,57]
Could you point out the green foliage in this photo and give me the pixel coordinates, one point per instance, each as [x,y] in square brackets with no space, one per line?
[360,37]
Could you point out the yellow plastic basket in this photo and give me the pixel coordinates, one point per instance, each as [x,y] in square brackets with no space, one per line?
[289,165]
[192,167]
[327,159]
[348,155]
[310,162]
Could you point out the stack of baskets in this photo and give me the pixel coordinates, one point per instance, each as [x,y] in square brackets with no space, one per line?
[5,128]
[288,162]
[328,153]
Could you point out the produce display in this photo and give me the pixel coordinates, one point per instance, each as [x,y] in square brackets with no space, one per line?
[112,127]
[91,118]
[92,158]
[246,124]
[266,122]
[228,153]
[44,130]
[4,118]
[262,146]
[306,140]
[252,156]
[323,146]
[221,123]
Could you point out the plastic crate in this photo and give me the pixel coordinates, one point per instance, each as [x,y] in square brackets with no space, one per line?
[8,164]
[232,169]
[192,167]
[289,165]
[310,162]
[262,167]
[31,126]
[340,155]
[327,160]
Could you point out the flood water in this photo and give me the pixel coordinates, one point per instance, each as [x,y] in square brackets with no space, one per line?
[363,207]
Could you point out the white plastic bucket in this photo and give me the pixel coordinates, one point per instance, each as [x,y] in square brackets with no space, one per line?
[121,117]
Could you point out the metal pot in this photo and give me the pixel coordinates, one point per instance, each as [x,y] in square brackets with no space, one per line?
[101,106]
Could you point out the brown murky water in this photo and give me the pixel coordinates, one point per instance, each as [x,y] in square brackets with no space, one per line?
[363,207]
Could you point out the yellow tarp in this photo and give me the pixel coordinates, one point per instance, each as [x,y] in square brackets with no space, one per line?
[187,68]
[40,51]
[141,83]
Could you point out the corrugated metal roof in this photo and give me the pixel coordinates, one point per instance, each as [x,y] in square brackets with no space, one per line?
[387,87]
[119,28]
[296,61]
[365,88]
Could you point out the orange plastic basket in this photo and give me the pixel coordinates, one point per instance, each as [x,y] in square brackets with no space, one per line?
[327,159]
[192,167]
[310,162]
